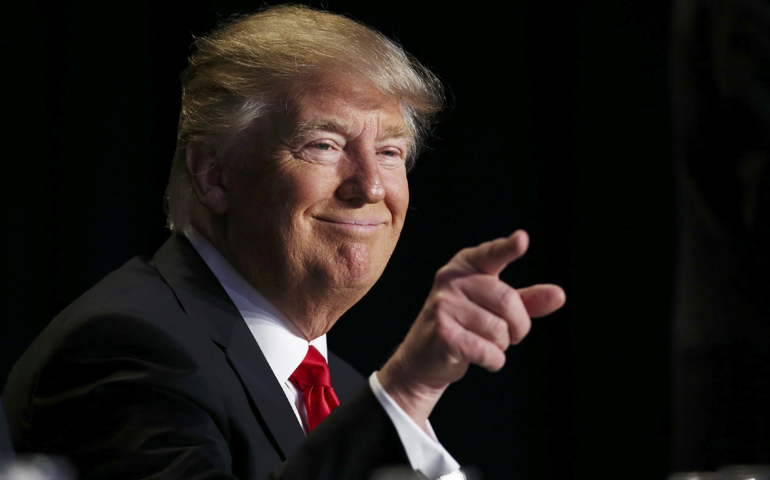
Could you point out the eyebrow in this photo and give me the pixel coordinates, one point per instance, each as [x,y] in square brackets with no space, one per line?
[303,129]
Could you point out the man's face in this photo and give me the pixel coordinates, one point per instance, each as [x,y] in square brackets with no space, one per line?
[317,203]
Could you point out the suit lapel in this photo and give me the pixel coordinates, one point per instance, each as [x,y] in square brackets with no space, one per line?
[346,381]
[243,354]
[208,305]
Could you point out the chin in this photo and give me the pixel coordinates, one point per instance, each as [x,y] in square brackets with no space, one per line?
[350,285]
[360,264]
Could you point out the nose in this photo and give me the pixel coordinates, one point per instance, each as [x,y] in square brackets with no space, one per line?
[362,180]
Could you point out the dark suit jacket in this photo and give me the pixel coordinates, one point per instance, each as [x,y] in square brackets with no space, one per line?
[154,374]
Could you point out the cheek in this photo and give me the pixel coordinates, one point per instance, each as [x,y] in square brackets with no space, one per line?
[263,202]
[307,184]
[295,195]
[397,188]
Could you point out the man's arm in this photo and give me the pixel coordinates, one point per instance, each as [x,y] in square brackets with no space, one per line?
[126,398]
[121,398]
[355,440]
[470,317]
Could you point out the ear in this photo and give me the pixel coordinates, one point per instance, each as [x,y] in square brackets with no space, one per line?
[207,176]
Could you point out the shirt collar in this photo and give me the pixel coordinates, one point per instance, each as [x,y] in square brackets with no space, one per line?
[279,339]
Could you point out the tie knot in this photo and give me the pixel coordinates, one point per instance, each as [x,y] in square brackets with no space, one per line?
[312,377]
[312,371]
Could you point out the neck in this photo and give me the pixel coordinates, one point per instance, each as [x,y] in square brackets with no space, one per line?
[309,305]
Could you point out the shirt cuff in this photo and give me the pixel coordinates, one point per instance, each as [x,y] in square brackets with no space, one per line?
[424,451]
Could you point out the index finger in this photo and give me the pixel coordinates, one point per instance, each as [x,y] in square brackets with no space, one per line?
[492,257]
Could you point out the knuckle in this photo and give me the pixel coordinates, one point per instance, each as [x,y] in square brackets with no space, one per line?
[482,357]
[509,298]
[497,328]
[489,359]
[444,274]
[498,364]
[446,331]
[442,302]
[521,331]
[441,272]
[464,252]
[464,258]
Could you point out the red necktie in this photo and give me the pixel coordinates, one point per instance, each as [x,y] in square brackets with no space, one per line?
[312,377]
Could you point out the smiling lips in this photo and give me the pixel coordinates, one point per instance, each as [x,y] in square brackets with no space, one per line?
[353,224]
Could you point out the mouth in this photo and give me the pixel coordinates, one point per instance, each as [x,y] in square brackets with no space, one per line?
[363,224]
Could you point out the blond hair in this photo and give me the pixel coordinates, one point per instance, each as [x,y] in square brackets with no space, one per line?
[250,65]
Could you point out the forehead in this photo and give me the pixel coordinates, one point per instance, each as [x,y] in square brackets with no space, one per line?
[348,104]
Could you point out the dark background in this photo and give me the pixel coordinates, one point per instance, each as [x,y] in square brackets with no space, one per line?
[558,123]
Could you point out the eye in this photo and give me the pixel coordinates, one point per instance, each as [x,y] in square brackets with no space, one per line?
[391,155]
[322,151]
[321,146]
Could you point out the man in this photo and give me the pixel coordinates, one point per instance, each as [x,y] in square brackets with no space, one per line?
[287,195]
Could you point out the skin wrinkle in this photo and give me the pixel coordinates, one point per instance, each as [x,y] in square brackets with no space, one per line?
[312,223]
[307,128]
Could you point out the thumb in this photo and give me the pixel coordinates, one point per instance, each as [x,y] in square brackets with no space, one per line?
[541,300]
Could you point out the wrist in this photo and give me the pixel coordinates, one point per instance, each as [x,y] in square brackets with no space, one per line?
[415,398]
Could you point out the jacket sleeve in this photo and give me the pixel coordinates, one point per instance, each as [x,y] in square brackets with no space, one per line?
[122,399]
[351,443]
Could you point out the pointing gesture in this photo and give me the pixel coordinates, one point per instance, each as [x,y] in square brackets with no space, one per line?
[470,316]
[492,257]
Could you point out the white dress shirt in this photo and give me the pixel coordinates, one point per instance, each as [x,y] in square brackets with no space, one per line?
[285,347]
